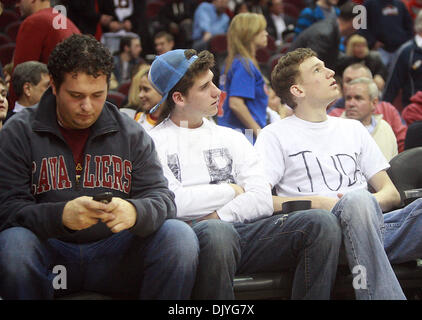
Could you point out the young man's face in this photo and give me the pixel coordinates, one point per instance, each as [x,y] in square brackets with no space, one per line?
[202,98]
[38,90]
[316,82]
[80,99]
[3,102]
[148,96]
[162,45]
[358,103]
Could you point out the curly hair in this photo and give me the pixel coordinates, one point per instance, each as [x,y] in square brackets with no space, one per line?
[79,53]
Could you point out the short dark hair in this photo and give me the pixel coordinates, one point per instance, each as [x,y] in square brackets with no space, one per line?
[79,53]
[29,71]
[162,34]
[346,11]
[126,42]
[286,73]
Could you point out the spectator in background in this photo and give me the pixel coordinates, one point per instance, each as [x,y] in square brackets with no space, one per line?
[276,110]
[7,71]
[163,42]
[389,112]
[209,19]
[149,111]
[92,16]
[406,69]
[246,102]
[357,51]
[30,80]
[127,59]
[414,6]
[258,6]
[176,17]
[389,25]
[361,98]
[413,111]
[3,102]
[277,21]
[39,33]
[321,9]
[241,7]
[324,36]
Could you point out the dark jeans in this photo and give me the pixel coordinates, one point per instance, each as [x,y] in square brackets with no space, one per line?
[307,241]
[161,266]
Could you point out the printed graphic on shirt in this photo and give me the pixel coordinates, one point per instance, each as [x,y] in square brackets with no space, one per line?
[107,171]
[174,165]
[220,164]
[335,171]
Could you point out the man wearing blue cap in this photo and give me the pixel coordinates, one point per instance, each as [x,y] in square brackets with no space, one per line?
[220,190]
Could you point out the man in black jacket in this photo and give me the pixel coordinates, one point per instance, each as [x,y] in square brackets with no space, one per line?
[323,37]
[54,158]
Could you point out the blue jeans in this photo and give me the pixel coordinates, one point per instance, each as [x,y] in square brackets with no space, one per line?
[403,228]
[305,241]
[363,227]
[160,266]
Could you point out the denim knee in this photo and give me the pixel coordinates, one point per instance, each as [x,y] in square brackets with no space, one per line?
[17,247]
[323,224]
[178,240]
[218,238]
[357,204]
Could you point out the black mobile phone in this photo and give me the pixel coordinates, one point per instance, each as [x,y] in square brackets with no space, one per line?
[104,197]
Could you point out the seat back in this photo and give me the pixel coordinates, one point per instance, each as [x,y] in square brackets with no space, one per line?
[12,30]
[406,170]
[413,135]
[8,16]
[6,53]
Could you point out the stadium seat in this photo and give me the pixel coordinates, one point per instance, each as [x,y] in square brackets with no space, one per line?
[4,39]
[413,135]
[6,53]
[12,30]
[218,44]
[124,88]
[116,98]
[153,8]
[7,17]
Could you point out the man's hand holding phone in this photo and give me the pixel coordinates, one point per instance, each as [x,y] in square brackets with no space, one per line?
[83,212]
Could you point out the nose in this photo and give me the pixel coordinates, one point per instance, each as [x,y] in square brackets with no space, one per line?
[86,104]
[215,92]
[330,73]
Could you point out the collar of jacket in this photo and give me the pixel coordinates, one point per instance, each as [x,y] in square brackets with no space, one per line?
[46,118]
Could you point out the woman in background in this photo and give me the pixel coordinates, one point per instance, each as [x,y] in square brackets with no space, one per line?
[246,102]
[148,99]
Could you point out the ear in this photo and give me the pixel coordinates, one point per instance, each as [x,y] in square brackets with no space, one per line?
[53,86]
[297,91]
[27,89]
[374,104]
[178,98]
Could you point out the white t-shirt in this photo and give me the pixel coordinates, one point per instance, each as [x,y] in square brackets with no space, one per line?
[303,158]
[201,163]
